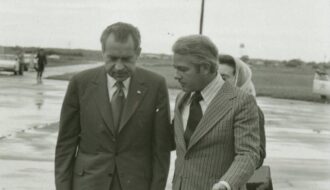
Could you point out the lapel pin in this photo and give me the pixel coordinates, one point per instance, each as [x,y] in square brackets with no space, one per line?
[139,92]
[157,110]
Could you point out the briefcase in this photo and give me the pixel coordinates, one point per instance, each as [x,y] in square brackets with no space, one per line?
[261,179]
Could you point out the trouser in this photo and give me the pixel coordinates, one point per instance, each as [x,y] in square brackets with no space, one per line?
[20,68]
[39,74]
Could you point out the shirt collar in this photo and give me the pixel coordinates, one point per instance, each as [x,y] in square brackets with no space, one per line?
[112,81]
[210,91]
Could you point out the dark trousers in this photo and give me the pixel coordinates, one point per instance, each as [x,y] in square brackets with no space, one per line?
[20,68]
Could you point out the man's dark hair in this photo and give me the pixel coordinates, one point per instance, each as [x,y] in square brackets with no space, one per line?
[121,31]
[227,60]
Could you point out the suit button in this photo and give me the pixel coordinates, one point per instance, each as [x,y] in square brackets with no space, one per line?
[110,174]
[116,153]
[81,173]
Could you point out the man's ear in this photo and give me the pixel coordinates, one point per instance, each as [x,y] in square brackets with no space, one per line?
[138,51]
[205,69]
[103,54]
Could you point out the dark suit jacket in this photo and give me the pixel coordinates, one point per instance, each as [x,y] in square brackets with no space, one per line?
[224,146]
[88,150]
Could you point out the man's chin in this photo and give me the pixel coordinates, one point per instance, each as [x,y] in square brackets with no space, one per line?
[185,89]
[120,77]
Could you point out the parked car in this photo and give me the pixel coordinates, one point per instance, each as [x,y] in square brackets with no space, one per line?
[9,65]
[29,61]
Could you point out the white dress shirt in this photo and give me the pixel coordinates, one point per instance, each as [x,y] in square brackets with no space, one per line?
[208,94]
[112,87]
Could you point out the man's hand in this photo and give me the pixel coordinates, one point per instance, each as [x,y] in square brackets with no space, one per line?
[219,186]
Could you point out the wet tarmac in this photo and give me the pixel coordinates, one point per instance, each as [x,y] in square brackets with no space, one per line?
[25,103]
[298,135]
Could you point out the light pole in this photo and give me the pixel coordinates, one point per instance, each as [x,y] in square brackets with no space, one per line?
[201,19]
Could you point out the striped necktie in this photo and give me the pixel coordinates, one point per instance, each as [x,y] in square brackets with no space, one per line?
[117,104]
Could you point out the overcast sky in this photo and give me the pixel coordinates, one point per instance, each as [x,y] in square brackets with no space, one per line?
[273,29]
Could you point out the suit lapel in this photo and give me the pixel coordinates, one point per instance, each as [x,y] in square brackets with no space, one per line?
[178,125]
[217,109]
[136,92]
[102,99]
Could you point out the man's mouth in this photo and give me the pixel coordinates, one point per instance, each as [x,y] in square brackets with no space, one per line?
[120,73]
[182,83]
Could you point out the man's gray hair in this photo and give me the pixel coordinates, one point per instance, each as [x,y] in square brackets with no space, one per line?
[201,48]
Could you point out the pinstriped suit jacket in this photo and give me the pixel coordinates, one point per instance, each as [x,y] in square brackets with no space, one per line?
[224,146]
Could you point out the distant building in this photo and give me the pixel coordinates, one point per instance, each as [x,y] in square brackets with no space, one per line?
[259,62]
[54,56]
[155,56]
[256,62]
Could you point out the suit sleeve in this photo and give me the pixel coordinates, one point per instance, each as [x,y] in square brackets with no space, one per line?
[247,143]
[162,139]
[68,138]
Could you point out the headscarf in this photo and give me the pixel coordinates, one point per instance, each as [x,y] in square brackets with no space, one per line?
[243,80]
[243,77]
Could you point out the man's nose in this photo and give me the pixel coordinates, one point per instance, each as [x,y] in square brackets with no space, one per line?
[177,76]
[119,65]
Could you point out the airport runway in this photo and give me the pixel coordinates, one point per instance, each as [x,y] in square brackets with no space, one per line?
[298,135]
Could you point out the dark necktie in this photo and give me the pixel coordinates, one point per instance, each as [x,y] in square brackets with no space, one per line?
[195,115]
[117,104]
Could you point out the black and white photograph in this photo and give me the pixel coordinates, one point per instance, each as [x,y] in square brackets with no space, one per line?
[164,95]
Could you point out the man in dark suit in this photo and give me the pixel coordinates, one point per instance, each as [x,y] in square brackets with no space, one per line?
[216,124]
[115,122]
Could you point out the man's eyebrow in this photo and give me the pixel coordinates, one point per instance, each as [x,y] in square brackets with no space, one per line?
[179,66]
[112,56]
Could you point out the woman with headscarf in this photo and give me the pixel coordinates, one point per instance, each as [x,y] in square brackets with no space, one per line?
[238,73]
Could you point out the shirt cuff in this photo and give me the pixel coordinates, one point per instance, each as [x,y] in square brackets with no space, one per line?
[225,184]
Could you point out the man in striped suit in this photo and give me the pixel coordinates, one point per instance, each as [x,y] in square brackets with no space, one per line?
[216,124]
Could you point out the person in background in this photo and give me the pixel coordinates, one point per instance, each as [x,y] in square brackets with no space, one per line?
[238,73]
[216,125]
[20,59]
[42,62]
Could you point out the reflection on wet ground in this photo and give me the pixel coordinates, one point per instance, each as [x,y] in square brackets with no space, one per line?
[24,102]
[39,100]
[298,136]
